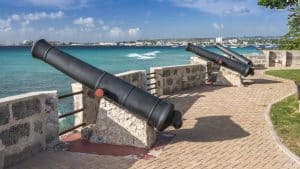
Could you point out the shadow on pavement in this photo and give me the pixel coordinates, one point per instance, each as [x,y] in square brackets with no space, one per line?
[211,128]
[259,81]
[184,100]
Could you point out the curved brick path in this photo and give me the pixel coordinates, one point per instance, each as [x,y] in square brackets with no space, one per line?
[223,128]
[226,128]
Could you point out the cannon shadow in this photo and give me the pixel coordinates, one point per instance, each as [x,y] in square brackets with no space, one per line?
[209,129]
[259,81]
[184,99]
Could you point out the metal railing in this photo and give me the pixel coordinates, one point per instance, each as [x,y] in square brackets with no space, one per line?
[151,86]
[71,113]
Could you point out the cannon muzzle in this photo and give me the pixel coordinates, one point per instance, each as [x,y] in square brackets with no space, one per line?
[236,66]
[234,54]
[158,113]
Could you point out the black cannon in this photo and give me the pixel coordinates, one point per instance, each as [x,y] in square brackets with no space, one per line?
[234,54]
[158,113]
[234,65]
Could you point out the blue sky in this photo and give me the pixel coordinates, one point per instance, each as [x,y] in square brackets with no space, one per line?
[115,20]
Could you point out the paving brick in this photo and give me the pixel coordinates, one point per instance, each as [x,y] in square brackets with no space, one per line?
[224,127]
[25,153]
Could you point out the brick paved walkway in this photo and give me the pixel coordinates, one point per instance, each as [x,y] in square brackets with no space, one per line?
[224,127]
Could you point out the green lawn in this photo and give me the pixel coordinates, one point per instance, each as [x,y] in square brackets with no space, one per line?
[286,119]
[292,74]
[285,114]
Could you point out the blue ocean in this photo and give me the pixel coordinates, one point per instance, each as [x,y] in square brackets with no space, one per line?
[20,73]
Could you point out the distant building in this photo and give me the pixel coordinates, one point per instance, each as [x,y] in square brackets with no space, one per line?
[107,44]
[219,40]
[233,41]
[27,42]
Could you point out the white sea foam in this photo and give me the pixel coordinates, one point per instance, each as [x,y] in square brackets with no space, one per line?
[255,53]
[148,55]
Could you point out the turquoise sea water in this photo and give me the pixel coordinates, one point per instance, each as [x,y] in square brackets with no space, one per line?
[20,73]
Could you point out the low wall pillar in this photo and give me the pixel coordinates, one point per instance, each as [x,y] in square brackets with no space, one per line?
[112,124]
[28,125]
[228,77]
[170,79]
[1,154]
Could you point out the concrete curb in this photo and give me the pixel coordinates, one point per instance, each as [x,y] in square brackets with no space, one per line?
[273,132]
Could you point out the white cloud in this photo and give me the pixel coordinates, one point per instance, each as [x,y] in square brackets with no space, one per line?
[105,27]
[25,19]
[43,15]
[15,17]
[5,25]
[134,32]
[116,32]
[218,26]
[217,7]
[239,9]
[62,4]
[85,22]
[101,22]
[25,23]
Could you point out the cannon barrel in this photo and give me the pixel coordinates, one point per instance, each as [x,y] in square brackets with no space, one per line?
[234,54]
[239,67]
[158,113]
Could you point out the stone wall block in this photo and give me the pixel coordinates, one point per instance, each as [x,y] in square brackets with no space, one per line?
[4,114]
[2,148]
[26,108]
[116,125]
[33,117]
[51,122]
[38,127]
[166,73]
[50,104]
[186,76]
[113,124]
[12,135]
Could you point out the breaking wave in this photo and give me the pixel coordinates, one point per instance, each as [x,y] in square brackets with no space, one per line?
[148,55]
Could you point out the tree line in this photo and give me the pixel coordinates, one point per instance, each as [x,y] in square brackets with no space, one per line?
[291,40]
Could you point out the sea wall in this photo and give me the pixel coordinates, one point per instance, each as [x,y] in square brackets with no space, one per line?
[109,123]
[171,79]
[283,58]
[211,68]
[269,58]
[259,61]
[219,75]
[28,122]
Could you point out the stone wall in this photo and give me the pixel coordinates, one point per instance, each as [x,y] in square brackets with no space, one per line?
[109,123]
[171,79]
[219,75]
[259,61]
[228,77]
[282,58]
[28,122]
[211,68]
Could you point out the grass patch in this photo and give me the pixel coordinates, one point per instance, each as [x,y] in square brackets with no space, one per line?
[286,119]
[291,74]
[285,114]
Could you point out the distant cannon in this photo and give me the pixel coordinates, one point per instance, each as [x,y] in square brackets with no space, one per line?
[158,113]
[234,54]
[234,65]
